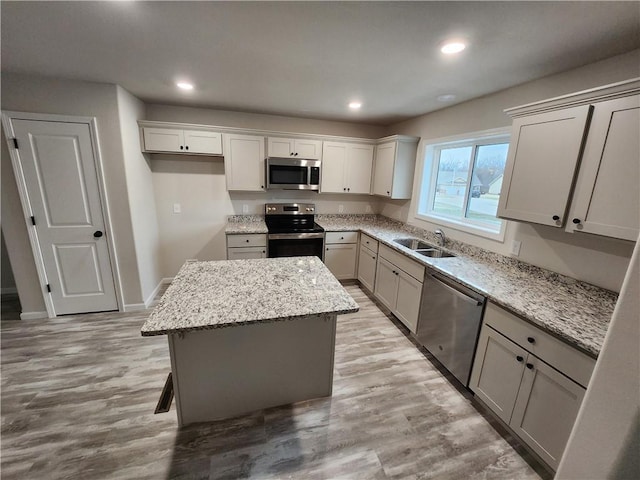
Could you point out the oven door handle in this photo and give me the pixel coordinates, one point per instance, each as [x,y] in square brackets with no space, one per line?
[293,236]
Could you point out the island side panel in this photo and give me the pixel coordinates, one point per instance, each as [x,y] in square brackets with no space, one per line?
[224,372]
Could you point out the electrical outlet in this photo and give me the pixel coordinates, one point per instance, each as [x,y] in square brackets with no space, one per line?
[515,247]
[177,208]
[245,208]
[340,208]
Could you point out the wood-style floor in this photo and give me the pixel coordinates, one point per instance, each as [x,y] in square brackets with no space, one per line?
[78,395]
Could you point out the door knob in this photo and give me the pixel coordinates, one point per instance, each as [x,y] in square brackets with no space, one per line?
[97,234]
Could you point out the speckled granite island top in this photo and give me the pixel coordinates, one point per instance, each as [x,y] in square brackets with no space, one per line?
[576,312]
[207,295]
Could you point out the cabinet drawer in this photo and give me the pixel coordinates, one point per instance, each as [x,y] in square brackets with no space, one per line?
[368,242]
[246,253]
[556,353]
[341,237]
[249,240]
[409,266]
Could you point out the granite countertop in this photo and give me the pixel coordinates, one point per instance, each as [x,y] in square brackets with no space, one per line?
[239,224]
[576,312]
[207,295]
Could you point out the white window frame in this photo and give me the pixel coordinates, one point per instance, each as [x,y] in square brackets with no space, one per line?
[425,184]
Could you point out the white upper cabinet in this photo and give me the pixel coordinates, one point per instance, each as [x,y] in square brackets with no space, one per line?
[294,147]
[346,167]
[607,200]
[176,140]
[542,160]
[574,162]
[244,162]
[394,164]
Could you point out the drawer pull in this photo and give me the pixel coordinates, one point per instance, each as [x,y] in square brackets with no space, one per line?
[531,340]
[247,240]
[519,358]
[530,366]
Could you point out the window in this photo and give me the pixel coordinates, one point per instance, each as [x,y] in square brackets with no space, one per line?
[461,184]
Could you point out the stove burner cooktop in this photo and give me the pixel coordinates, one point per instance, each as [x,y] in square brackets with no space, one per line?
[291,218]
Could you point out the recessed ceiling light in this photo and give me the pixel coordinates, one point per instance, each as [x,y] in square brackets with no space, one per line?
[453,47]
[185,85]
[447,97]
[355,105]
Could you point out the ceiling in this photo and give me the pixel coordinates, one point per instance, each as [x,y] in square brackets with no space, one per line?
[310,59]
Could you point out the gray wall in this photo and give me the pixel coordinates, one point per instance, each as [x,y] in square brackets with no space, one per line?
[144,223]
[7,282]
[55,96]
[594,259]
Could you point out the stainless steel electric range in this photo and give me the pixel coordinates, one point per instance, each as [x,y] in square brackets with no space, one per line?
[292,230]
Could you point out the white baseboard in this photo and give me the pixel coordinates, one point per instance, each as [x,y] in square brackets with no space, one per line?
[8,291]
[134,307]
[153,294]
[33,315]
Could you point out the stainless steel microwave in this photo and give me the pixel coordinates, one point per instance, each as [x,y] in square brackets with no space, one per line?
[292,174]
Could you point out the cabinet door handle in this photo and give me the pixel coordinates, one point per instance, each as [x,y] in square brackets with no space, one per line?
[531,340]
[556,217]
[348,189]
[519,358]
[576,221]
[186,147]
[181,147]
[530,366]
[373,256]
[344,189]
[388,192]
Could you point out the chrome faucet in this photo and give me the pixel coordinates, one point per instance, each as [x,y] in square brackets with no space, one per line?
[440,236]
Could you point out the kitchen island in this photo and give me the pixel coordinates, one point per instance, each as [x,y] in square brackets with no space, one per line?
[249,334]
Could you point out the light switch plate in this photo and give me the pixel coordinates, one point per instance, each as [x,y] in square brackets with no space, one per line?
[177,208]
[367,209]
[245,209]
[340,208]
[515,247]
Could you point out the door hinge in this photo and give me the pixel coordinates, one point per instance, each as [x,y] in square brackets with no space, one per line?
[15,142]
[33,220]
[48,288]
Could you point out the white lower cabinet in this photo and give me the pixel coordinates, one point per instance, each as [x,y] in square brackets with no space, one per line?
[246,246]
[496,383]
[246,253]
[340,254]
[546,409]
[367,261]
[538,401]
[396,288]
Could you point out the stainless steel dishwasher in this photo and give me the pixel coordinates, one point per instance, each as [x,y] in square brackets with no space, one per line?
[449,323]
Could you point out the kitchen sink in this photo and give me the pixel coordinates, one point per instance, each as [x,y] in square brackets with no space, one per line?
[435,253]
[413,243]
[423,248]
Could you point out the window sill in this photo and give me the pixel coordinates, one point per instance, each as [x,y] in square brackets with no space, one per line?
[477,230]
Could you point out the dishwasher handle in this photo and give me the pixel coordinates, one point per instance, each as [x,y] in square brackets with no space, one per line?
[459,290]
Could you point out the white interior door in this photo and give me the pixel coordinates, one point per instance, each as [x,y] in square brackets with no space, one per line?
[58,165]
